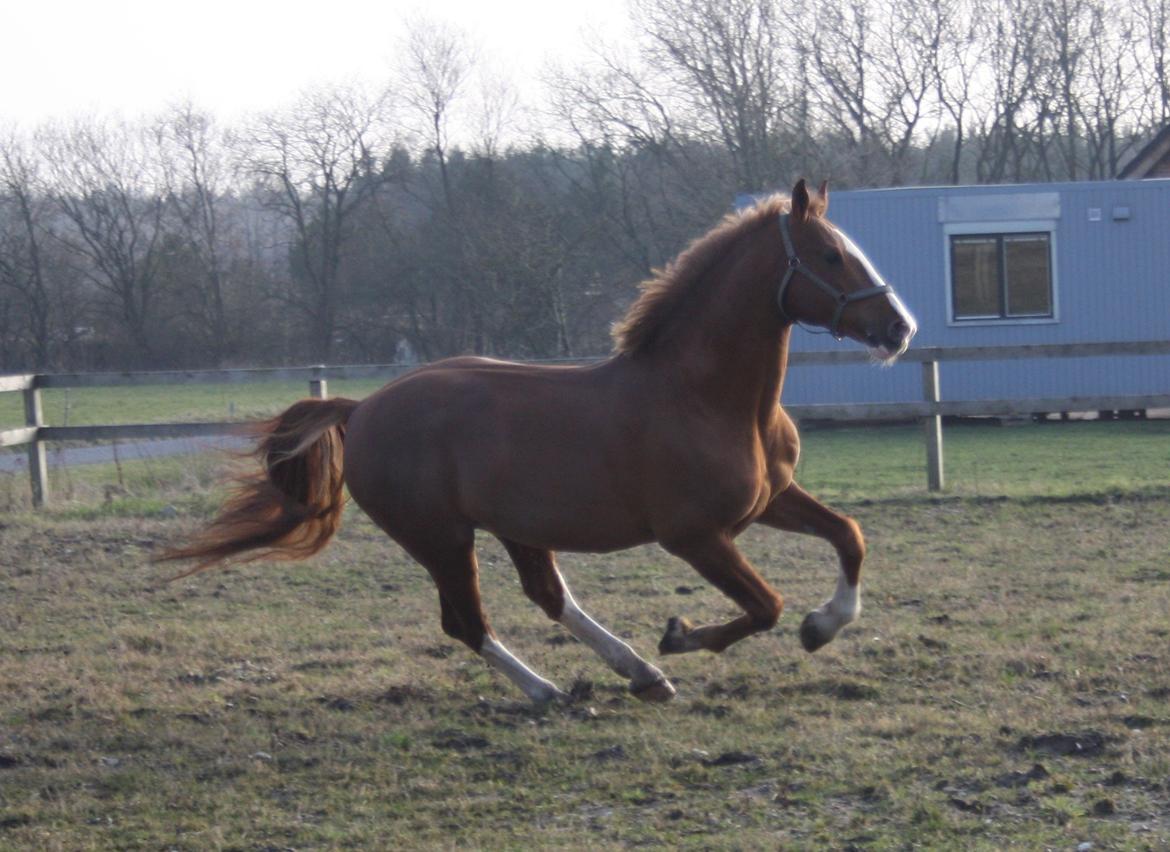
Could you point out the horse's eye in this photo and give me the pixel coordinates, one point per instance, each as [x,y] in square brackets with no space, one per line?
[833,256]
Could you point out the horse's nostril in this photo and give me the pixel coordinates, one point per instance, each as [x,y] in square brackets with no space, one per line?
[899,330]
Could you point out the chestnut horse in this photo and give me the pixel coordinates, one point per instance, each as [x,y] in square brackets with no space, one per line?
[678,438]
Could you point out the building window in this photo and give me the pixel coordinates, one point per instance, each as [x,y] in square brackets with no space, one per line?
[1001,276]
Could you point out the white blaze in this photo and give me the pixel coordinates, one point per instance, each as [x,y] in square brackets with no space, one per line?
[852,249]
[857,254]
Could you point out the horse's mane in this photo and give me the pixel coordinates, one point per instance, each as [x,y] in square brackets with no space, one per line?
[668,289]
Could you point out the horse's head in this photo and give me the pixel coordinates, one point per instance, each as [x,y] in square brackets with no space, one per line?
[828,281]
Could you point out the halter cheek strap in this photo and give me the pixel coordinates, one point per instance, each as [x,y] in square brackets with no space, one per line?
[840,297]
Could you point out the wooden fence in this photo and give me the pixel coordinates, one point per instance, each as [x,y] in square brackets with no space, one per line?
[929,411]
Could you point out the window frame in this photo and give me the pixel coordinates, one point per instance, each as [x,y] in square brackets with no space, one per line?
[1046,227]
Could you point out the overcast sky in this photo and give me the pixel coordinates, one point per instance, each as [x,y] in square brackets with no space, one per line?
[231,57]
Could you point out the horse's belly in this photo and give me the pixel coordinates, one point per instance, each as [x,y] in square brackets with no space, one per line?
[582,534]
[566,503]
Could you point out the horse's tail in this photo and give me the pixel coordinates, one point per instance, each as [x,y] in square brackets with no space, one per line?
[292,508]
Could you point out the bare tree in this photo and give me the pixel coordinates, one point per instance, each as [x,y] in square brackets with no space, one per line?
[1152,35]
[496,112]
[317,163]
[875,67]
[650,162]
[728,64]
[434,73]
[433,77]
[841,52]
[196,170]
[1111,91]
[22,267]
[616,102]
[103,181]
[1065,34]
[1013,64]
[955,64]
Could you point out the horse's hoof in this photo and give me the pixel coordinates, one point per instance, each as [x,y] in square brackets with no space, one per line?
[654,692]
[551,697]
[563,699]
[813,635]
[674,640]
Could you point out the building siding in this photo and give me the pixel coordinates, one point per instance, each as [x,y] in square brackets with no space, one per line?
[1112,283]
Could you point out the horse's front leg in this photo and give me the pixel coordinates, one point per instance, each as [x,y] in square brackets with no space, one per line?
[721,564]
[795,510]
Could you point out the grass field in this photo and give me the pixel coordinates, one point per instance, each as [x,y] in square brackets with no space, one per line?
[1006,686]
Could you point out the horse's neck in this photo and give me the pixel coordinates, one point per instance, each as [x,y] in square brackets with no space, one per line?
[782,361]
[737,372]
[729,348]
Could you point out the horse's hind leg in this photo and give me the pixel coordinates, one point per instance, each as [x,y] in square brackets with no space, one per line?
[455,571]
[545,586]
[795,510]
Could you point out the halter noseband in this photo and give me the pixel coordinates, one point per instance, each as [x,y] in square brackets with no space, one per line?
[840,297]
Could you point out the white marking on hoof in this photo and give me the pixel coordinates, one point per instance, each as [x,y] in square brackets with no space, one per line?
[531,684]
[821,625]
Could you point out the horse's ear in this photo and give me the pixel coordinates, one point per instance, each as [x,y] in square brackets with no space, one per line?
[800,200]
[824,193]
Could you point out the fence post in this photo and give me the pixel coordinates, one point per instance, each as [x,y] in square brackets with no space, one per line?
[38,468]
[932,427]
[319,386]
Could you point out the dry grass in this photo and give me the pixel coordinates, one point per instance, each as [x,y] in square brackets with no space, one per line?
[1006,687]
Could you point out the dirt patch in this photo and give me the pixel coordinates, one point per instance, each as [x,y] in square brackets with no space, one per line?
[732,758]
[460,741]
[405,693]
[1082,744]
[1017,778]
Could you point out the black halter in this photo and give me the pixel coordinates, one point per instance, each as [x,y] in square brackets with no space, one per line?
[842,299]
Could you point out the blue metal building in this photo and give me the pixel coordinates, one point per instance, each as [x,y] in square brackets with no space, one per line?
[1006,265]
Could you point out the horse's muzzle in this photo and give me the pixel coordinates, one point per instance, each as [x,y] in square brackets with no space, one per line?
[898,334]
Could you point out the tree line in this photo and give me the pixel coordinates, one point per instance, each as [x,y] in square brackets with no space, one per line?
[440,214]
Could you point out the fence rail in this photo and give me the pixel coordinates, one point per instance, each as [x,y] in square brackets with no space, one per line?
[930,411]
